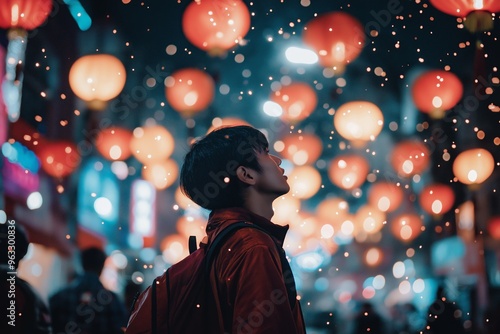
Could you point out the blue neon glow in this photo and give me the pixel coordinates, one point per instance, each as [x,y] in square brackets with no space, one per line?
[81,17]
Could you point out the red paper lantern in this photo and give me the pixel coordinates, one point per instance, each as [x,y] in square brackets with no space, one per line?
[58,159]
[385,196]
[436,91]
[152,144]
[437,199]
[189,91]
[410,157]
[477,13]
[114,143]
[406,227]
[494,227]
[24,14]
[297,100]
[359,122]
[216,25]
[302,148]
[337,38]
[473,166]
[348,171]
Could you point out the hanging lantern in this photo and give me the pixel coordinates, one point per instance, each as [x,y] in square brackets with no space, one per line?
[174,248]
[336,37]
[226,121]
[58,159]
[301,148]
[493,227]
[477,13]
[385,196]
[406,227]
[369,219]
[304,181]
[189,91]
[348,171]
[285,208]
[473,166]
[161,174]
[152,144]
[358,122]
[333,210]
[435,92]
[24,14]
[216,26]
[114,143]
[96,79]
[192,225]
[437,199]
[297,101]
[410,157]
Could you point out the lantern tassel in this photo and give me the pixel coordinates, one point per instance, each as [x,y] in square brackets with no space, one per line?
[479,21]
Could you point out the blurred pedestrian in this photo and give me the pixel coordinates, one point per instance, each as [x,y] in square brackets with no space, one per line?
[443,316]
[85,306]
[368,320]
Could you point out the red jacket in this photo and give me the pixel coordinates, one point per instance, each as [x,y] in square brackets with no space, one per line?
[250,276]
[253,292]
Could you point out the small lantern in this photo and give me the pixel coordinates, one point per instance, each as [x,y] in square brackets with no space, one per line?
[96,79]
[304,181]
[473,166]
[410,157]
[337,38]
[437,199]
[162,174]
[114,143]
[58,159]
[189,91]
[435,92]
[216,26]
[385,196]
[192,225]
[406,227]
[358,122]
[152,144]
[302,148]
[370,219]
[333,210]
[24,14]
[297,100]
[493,227]
[348,171]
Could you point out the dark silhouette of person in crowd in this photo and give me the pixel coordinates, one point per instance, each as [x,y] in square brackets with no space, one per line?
[368,320]
[85,306]
[443,316]
[23,310]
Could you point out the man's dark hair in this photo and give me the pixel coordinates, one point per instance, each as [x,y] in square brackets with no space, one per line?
[93,259]
[209,169]
[18,238]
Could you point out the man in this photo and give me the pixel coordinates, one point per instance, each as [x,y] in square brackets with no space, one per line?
[231,173]
[23,310]
[85,306]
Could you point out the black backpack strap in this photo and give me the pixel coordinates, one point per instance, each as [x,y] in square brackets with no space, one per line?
[154,324]
[192,244]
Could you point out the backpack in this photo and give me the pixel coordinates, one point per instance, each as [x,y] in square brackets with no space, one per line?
[182,299]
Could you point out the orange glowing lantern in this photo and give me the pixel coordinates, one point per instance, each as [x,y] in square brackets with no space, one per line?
[473,166]
[348,171]
[385,196]
[214,25]
[161,174]
[297,100]
[192,225]
[370,219]
[152,144]
[226,121]
[304,181]
[183,201]
[406,227]
[285,209]
[174,248]
[59,159]
[437,199]
[97,79]
[24,14]
[301,148]
[189,91]
[435,92]
[477,13]
[410,157]
[337,38]
[114,143]
[333,210]
[358,122]
[494,227]
[304,224]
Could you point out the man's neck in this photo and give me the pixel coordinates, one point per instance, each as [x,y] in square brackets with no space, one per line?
[261,206]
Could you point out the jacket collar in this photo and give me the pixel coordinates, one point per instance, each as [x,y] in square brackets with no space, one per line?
[222,217]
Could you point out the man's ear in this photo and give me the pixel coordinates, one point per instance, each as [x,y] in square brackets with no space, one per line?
[246,175]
